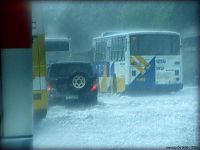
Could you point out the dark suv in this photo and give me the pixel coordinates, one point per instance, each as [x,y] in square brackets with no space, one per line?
[72,80]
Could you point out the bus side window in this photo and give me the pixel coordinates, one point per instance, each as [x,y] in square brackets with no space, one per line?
[125,43]
[123,48]
[118,55]
[112,49]
[115,57]
[101,50]
[133,45]
[118,48]
[108,54]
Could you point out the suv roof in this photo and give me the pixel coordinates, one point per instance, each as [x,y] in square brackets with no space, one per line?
[66,69]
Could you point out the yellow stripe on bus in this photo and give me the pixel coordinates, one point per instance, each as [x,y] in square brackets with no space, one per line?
[39,71]
[39,68]
[120,84]
[35,55]
[39,62]
[40,103]
[142,61]
[41,47]
[137,66]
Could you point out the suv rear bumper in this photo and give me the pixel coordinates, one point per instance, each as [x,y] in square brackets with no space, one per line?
[61,96]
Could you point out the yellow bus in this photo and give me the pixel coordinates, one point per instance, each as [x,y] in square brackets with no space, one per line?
[39,70]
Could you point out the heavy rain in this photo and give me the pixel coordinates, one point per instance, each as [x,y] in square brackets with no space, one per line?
[141,88]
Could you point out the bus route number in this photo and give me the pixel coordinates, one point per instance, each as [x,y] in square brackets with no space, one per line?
[160,61]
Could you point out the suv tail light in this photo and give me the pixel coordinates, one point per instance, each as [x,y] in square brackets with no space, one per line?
[94,88]
[49,87]
[95,85]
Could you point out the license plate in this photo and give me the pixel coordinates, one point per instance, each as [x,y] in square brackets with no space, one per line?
[71,97]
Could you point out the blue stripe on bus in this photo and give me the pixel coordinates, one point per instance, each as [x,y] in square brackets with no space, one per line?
[145,80]
[149,82]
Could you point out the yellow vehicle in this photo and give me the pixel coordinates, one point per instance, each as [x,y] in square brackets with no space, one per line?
[39,70]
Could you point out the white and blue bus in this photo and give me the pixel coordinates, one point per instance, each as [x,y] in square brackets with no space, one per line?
[138,60]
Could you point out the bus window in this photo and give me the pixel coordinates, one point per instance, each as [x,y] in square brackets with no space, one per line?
[156,45]
[101,50]
[133,45]
[118,49]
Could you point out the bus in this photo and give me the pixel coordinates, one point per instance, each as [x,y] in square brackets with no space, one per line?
[39,70]
[138,60]
[57,49]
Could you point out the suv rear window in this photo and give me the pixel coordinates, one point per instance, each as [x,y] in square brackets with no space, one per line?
[64,70]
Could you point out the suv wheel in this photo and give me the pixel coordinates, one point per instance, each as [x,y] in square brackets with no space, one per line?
[79,81]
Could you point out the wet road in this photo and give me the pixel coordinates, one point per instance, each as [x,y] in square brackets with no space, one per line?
[123,121]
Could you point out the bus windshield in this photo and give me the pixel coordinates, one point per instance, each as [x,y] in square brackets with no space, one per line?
[57,45]
[155,44]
